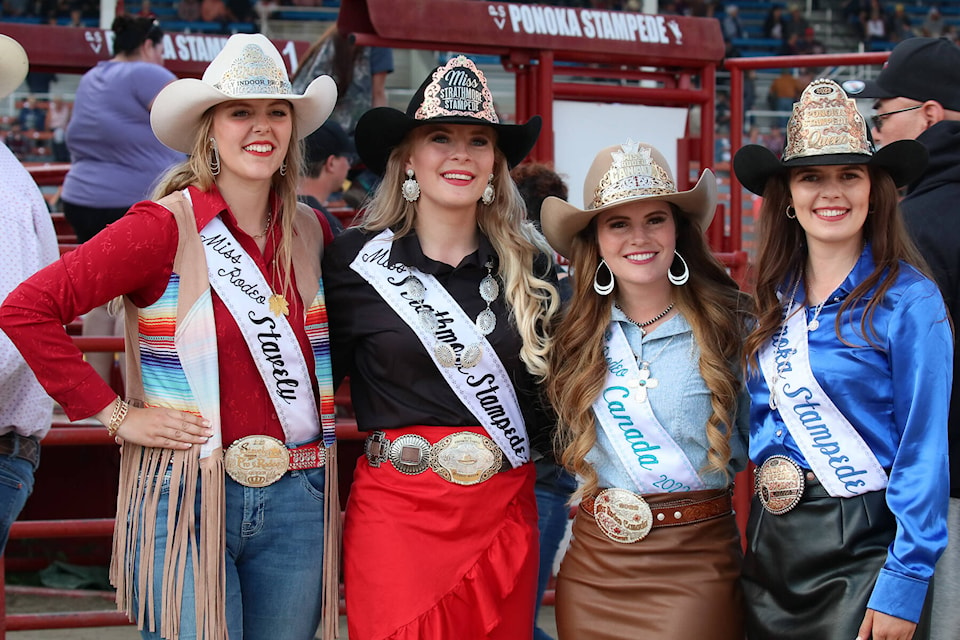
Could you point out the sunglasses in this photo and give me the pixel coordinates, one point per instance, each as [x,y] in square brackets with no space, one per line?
[877,118]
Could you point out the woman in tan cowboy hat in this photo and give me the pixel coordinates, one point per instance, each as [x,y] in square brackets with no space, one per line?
[652,412]
[849,372]
[439,301]
[220,525]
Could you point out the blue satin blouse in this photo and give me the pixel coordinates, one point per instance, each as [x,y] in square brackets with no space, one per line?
[897,396]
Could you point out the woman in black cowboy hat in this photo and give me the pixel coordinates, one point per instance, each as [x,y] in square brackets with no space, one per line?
[439,301]
[850,368]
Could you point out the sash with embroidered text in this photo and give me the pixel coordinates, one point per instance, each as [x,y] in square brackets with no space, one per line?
[485,387]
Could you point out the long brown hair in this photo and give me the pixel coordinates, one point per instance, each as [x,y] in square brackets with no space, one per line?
[783,254]
[710,301]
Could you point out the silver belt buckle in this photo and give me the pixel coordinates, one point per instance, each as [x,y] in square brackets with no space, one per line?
[256,461]
[410,454]
[779,484]
[622,515]
[466,458]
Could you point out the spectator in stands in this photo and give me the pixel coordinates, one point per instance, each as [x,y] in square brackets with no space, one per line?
[188,10]
[447,223]
[28,243]
[58,116]
[328,155]
[215,11]
[934,26]
[898,24]
[645,358]
[361,75]
[775,24]
[732,27]
[537,181]
[18,144]
[722,111]
[115,158]
[875,27]
[797,24]
[854,12]
[849,371]
[784,91]
[32,117]
[917,96]
[235,547]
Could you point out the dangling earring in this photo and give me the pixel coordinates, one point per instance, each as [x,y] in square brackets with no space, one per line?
[214,158]
[283,168]
[603,289]
[488,193]
[681,279]
[410,188]
[791,212]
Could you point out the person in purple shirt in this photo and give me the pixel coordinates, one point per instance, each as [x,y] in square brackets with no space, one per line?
[115,157]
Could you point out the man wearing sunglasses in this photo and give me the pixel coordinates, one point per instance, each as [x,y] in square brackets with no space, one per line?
[917,95]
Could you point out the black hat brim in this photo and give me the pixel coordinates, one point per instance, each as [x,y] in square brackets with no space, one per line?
[382,129]
[904,160]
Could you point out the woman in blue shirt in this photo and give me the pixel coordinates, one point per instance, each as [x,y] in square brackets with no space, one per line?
[849,374]
[651,409]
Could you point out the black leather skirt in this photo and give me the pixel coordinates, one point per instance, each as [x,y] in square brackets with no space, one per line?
[808,574]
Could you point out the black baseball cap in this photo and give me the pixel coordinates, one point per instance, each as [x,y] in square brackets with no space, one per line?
[329,140]
[918,68]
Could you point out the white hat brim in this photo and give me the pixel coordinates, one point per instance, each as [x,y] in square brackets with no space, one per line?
[561,221]
[177,109]
[13,65]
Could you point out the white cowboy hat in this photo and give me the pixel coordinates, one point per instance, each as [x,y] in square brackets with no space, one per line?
[248,68]
[622,174]
[13,65]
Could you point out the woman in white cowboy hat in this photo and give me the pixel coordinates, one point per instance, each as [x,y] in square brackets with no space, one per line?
[220,525]
[849,373]
[439,301]
[652,412]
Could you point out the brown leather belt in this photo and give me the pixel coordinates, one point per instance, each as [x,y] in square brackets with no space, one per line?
[24,447]
[679,512]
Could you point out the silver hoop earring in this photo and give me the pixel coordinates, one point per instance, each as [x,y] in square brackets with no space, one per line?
[410,188]
[791,212]
[681,279]
[488,192]
[283,168]
[214,158]
[603,289]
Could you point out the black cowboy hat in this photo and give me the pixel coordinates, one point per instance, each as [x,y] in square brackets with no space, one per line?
[455,93]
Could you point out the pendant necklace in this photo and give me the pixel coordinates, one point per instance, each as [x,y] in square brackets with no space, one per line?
[814,324]
[277,302]
[646,382]
[647,323]
[266,227]
[485,323]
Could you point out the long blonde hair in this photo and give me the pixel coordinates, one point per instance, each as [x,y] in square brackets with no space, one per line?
[710,301]
[530,295]
[195,171]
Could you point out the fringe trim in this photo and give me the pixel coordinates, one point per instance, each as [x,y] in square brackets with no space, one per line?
[141,475]
[332,528]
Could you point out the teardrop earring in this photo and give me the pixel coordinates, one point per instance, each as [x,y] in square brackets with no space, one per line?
[410,188]
[603,289]
[214,158]
[681,279]
[283,168]
[488,192]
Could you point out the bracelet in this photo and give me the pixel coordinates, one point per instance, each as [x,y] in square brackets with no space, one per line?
[119,413]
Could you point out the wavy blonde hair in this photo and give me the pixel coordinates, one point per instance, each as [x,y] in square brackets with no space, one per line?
[530,296]
[710,301]
[195,171]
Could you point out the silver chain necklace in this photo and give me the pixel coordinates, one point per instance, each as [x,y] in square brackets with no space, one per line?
[486,321]
[647,323]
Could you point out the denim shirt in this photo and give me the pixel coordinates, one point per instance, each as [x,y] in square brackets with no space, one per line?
[680,401]
[896,394]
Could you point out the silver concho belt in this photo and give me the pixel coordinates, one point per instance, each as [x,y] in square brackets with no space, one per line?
[463,458]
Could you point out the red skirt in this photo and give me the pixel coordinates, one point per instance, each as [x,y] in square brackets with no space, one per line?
[425,559]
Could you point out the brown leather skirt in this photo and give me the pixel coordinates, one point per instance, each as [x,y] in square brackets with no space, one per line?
[677,583]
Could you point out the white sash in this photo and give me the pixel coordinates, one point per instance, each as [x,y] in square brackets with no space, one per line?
[650,456]
[270,339]
[843,462]
[485,389]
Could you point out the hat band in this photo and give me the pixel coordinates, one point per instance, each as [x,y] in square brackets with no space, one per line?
[632,187]
[258,85]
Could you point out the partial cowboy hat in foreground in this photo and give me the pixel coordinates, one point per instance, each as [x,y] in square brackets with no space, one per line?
[631,172]
[13,65]
[827,129]
[248,68]
[456,93]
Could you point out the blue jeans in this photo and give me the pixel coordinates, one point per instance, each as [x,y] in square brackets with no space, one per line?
[274,560]
[16,485]
[553,489]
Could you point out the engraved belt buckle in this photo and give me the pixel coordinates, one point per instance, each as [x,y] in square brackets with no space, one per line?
[466,458]
[256,461]
[622,515]
[377,448]
[410,454]
[779,484]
